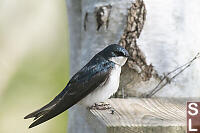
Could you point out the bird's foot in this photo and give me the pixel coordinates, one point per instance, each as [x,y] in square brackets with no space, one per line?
[112,111]
[101,106]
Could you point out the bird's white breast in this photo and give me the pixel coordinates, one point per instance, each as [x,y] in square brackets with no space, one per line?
[103,92]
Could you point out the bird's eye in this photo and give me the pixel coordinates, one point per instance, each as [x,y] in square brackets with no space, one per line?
[119,53]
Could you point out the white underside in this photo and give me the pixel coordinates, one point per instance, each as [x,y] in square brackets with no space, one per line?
[107,89]
[103,92]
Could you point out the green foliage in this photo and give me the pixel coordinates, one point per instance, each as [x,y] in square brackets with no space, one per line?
[39,78]
[38,38]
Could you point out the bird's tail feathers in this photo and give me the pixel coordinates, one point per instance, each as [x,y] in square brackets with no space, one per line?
[54,108]
[41,111]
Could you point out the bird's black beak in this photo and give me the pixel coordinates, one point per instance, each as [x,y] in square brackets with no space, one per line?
[127,54]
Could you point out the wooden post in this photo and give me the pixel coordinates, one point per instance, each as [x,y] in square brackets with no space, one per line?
[140,116]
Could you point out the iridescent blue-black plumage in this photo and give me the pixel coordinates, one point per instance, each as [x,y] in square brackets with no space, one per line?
[94,73]
[114,50]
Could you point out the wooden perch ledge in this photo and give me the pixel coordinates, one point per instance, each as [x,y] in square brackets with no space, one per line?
[157,115]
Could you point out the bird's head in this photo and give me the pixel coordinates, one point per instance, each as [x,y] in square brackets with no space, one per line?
[116,54]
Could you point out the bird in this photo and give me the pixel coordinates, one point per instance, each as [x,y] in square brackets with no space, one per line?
[94,83]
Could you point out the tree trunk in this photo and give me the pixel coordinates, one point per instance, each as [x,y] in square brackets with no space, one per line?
[168,40]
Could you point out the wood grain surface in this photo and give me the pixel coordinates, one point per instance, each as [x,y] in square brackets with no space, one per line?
[157,115]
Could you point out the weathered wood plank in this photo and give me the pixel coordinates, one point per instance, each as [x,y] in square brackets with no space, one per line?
[140,116]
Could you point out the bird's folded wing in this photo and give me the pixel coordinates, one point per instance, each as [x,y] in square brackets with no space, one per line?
[81,84]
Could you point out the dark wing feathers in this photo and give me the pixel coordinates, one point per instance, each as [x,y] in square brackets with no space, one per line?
[42,110]
[80,85]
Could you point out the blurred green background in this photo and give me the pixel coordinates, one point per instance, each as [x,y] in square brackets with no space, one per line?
[34,62]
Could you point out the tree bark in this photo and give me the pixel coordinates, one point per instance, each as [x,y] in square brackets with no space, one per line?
[160,37]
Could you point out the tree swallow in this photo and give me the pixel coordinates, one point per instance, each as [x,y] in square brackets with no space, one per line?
[95,82]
